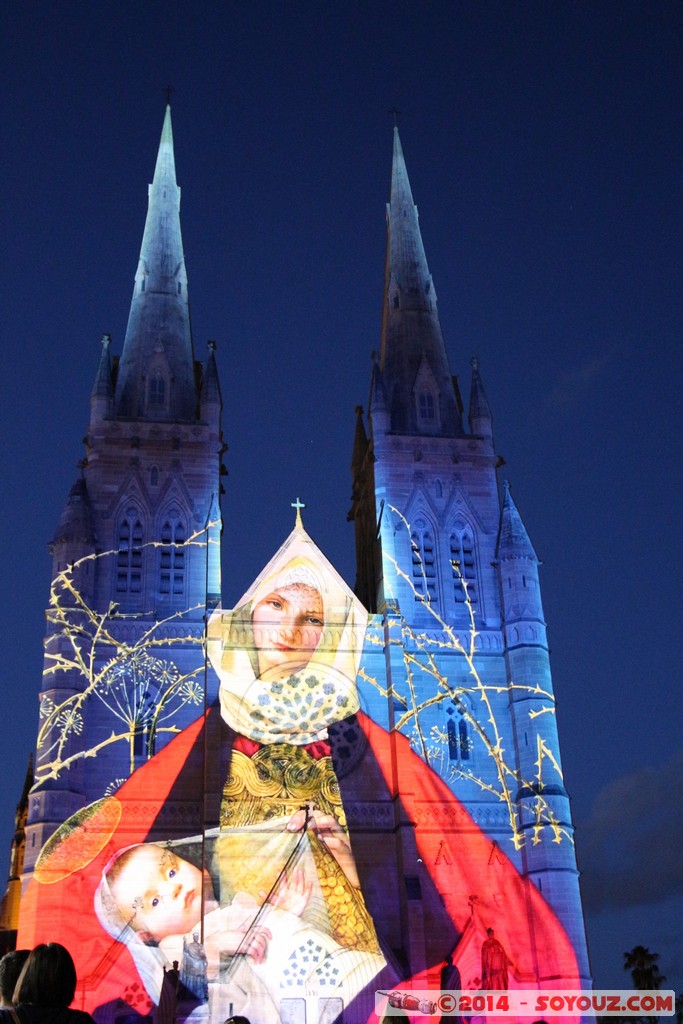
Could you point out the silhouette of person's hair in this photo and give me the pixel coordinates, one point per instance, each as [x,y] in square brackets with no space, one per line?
[48,977]
[10,968]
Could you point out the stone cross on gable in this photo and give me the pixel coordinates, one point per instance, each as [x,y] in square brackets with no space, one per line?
[298,505]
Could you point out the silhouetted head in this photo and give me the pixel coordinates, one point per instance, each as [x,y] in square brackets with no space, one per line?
[48,977]
[10,969]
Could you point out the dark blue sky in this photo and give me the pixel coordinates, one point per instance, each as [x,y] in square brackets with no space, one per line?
[543,142]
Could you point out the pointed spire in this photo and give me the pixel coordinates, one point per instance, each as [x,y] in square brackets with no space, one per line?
[156,373]
[211,388]
[411,333]
[75,523]
[104,384]
[164,171]
[480,419]
[360,442]
[513,540]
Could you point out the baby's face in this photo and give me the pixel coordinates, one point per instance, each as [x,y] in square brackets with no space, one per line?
[164,891]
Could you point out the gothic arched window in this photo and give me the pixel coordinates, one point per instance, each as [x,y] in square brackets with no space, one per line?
[426,407]
[172,554]
[458,732]
[157,390]
[424,578]
[129,553]
[464,565]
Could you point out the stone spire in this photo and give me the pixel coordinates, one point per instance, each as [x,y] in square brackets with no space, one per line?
[479,418]
[360,442]
[156,377]
[417,381]
[75,527]
[513,540]
[210,397]
[104,385]
[102,394]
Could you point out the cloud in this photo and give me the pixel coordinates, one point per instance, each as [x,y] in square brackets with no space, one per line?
[572,385]
[630,851]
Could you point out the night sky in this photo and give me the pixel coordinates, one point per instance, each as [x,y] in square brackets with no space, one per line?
[543,143]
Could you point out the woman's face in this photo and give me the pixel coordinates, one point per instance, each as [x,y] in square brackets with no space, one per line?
[288,623]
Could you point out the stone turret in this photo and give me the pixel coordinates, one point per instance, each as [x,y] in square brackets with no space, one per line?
[479,418]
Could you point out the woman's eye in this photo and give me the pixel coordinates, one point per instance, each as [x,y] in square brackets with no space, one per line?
[274,603]
[172,873]
[155,901]
[313,620]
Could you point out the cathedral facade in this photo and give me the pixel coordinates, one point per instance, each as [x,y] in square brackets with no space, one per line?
[324,791]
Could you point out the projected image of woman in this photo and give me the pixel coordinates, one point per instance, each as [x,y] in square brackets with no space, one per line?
[287,659]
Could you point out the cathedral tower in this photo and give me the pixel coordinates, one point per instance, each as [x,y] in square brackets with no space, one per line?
[452,578]
[136,553]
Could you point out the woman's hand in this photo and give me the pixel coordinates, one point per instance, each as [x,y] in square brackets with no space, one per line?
[332,836]
[293,893]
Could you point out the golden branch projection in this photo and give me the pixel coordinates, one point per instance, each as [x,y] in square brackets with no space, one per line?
[427,687]
[88,664]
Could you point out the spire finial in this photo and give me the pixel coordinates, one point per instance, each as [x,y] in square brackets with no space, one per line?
[474,363]
[394,114]
[298,505]
[168,90]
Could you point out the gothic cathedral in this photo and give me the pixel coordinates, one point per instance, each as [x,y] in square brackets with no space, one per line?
[279,809]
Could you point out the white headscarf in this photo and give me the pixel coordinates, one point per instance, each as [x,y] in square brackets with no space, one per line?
[299,708]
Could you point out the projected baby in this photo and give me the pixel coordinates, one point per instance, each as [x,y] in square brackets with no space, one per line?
[153,900]
[150,898]
[167,897]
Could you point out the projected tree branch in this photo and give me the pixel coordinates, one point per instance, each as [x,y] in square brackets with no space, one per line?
[427,686]
[88,663]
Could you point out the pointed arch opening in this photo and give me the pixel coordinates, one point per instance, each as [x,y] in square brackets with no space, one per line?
[423,555]
[130,534]
[157,390]
[458,734]
[427,407]
[172,554]
[463,558]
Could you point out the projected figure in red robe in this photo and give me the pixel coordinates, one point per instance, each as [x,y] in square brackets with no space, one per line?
[494,963]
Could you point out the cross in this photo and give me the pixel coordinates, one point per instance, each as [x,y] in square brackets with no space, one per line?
[298,505]
[169,90]
[307,808]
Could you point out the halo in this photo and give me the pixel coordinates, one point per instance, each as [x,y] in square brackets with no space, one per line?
[78,840]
